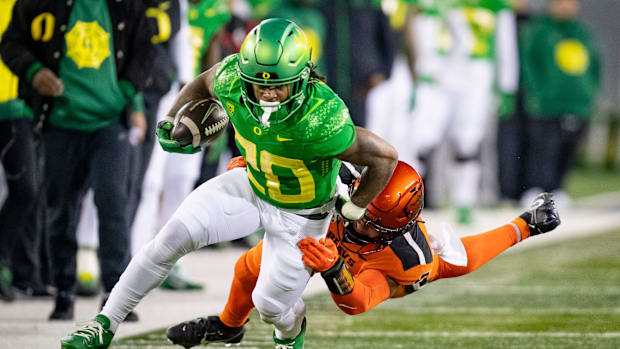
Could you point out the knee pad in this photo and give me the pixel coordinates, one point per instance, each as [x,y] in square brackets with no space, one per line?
[170,244]
[270,310]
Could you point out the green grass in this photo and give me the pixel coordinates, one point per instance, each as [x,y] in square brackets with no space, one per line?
[586,181]
[566,295]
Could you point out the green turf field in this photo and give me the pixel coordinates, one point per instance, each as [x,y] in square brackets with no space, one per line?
[584,181]
[565,295]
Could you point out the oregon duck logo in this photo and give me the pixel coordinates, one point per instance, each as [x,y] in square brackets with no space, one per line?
[42,27]
[571,57]
[164,28]
[88,45]
[230,107]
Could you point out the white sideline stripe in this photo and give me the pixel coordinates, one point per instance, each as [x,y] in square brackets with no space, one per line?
[417,248]
[467,334]
[508,310]
[540,289]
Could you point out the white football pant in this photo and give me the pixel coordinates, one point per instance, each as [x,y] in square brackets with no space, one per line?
[456,108]
[223,209]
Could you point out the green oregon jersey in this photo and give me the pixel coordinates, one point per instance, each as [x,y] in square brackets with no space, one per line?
[436,11]
[481,16]
[92,97]
[205,18]
[290,164]
[430,7]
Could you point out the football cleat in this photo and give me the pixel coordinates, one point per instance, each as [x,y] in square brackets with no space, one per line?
[94,335]
[7,292]
[204,331]
[542,216]
[293,343]
[63,308]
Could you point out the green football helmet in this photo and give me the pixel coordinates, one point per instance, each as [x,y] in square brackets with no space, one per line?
[275,52]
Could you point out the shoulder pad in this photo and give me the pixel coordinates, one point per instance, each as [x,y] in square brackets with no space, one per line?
[412,248]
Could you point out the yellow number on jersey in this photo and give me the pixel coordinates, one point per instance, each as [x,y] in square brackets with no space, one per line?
[268,160]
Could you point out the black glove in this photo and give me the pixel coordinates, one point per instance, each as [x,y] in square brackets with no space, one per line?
[542,216]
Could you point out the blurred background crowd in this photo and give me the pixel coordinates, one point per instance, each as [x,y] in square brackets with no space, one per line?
[493,101]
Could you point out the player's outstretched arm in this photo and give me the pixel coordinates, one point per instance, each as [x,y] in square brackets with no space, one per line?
[352,294]
[380,158]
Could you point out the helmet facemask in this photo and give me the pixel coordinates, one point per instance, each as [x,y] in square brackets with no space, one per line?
[269,113]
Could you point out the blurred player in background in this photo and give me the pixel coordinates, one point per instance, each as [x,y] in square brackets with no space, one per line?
[293,131]
[477,47]
[386,254]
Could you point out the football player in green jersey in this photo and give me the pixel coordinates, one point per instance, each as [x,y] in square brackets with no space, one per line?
[293,132]
[477,52]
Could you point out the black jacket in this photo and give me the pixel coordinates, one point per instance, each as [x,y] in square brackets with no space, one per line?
[36,34]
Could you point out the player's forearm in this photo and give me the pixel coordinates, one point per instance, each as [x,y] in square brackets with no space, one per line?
[380,159]
[199,88]
[371,288]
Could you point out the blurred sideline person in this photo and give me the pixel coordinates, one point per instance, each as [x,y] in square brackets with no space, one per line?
[171,67]
[159,200]
[511,135]
[358,50]
[294,132]
[18,158]
[561,80]
[478,39]
[81,68]
[386,254]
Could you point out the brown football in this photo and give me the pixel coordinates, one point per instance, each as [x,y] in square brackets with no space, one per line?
[199,122]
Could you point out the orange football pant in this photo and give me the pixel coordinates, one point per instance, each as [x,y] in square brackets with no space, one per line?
[480,249]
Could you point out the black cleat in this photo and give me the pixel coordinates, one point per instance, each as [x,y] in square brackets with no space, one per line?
[204,331]
[63,309]
[542,216]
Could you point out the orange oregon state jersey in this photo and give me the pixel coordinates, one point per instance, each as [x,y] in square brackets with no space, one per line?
[408,260]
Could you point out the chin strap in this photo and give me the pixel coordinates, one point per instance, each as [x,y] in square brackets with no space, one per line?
[268,108]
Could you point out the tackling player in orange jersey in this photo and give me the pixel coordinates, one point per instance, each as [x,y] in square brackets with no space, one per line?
[386,254]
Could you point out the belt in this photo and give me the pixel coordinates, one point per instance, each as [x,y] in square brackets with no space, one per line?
[315,216]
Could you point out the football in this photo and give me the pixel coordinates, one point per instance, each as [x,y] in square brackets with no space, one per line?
[199,123]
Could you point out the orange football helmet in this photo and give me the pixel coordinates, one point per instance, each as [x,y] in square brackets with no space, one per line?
[396,208]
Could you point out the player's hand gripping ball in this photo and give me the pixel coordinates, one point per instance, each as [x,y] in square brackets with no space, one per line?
[199,123]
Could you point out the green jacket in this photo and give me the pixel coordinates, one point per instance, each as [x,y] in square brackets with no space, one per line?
[560,68]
